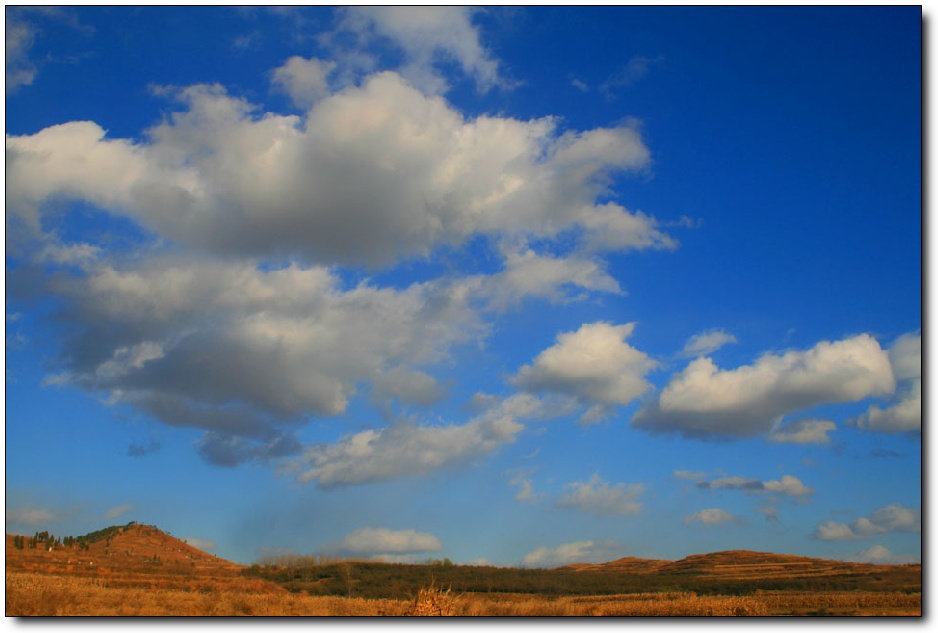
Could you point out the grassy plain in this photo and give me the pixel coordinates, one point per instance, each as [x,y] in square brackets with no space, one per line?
[139,571]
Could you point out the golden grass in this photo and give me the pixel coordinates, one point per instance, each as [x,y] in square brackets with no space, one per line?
[36,594]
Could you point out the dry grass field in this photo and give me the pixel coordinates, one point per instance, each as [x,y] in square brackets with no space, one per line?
[140,571]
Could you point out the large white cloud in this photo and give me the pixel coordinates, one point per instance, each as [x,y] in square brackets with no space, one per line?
[593,364]
[905,354]
[372,174]
[241,351]
[705,401]
[598,496]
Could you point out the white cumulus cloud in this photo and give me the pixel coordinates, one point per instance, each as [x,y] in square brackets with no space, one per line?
[905,415]
[892,518]
[705,401]
[593,364]
[372,174]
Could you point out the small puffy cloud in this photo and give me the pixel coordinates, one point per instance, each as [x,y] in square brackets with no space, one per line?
[811,431]
[703,401]
[788,485]
[593,364]
[835,531]
[405,449]
[113,513]
[576,552]
[601,498]
[385,541]
[891,518]
[710,516]
[29,515]
[905,415]
[304,80]
[879,555]
[707,343]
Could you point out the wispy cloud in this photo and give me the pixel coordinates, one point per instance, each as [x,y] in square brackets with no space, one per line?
[706,343]
[602,498]
[633,71]
[809,431]
[427,36]
[406,450]
[28,515]
[113,513]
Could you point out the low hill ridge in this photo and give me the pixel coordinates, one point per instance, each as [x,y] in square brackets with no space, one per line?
[128,546]
[735,565]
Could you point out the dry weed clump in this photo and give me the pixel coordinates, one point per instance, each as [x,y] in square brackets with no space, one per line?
[432,601]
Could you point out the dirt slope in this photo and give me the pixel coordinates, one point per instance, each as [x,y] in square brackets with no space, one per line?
[132,547]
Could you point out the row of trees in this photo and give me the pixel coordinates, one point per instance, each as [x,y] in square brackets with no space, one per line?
[48,541]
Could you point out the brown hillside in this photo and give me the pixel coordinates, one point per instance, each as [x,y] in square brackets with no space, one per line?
[133,548]
[747,565]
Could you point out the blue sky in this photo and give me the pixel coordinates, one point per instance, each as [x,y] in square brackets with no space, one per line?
[507,286]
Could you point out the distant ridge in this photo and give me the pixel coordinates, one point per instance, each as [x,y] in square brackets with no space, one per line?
[736,565]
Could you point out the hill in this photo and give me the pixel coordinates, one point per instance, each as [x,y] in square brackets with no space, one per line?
[133,548]
[741,565]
